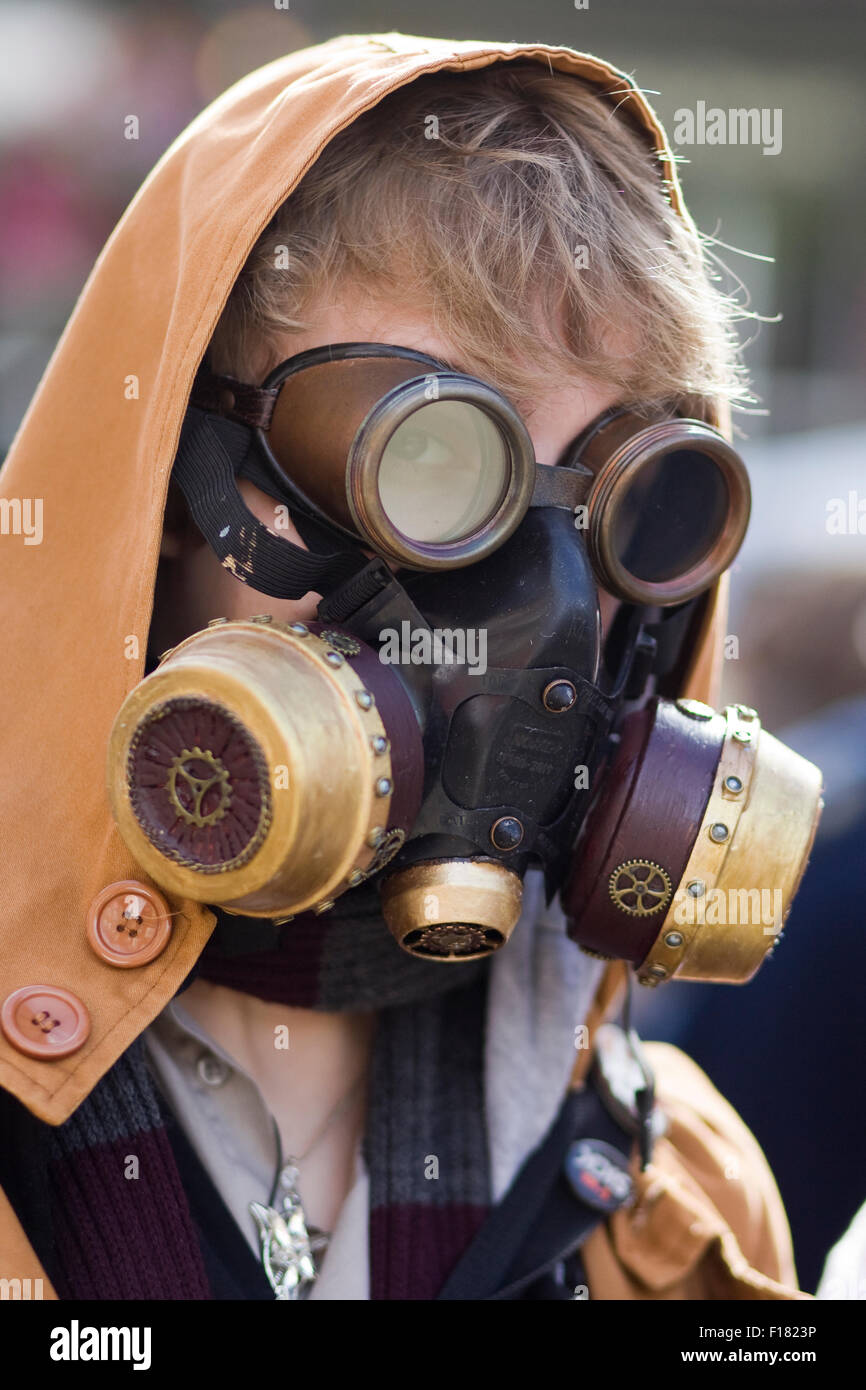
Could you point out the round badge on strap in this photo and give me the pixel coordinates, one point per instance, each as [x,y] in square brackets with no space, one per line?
[599,1174]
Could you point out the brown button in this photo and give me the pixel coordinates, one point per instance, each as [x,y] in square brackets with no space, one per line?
[45,1021]
[128,923]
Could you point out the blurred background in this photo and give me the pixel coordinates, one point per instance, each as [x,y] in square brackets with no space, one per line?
[788,1051]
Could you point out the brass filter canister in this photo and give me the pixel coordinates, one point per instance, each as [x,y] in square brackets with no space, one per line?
[452,909]
[265,767]
[746,862]
[695,845]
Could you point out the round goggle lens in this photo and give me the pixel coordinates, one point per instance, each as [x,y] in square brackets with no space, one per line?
[670,516]
[444,472]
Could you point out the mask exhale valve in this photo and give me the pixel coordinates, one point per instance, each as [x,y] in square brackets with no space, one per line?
[457,910]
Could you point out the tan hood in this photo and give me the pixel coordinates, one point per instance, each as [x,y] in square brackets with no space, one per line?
[75,609]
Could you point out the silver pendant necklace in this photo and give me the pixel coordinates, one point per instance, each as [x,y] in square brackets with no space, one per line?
[289,1245]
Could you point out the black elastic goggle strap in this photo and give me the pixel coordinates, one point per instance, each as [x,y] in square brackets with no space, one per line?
[313,529]
[211,453]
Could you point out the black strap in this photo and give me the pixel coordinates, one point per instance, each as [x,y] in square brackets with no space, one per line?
[209,457]
[541,1221]
[233,1271]
[669,633]
[344,602]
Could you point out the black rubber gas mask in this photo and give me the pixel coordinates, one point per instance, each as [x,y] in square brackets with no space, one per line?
[451,717]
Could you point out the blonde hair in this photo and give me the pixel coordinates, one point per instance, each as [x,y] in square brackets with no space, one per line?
[526,215]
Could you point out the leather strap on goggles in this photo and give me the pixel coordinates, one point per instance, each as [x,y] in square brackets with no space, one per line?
[434,469]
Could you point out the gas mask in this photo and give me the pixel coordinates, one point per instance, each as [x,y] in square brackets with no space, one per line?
[452,717]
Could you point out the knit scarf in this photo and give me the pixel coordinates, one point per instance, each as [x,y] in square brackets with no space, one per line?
[122,1226]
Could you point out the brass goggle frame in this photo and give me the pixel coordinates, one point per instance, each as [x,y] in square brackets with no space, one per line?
[611,454]
[324,419]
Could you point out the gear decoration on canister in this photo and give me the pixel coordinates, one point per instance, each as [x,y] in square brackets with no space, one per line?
[386,848]
[188,789]
[341,642]
[198,785]
[448,939]
[639,887]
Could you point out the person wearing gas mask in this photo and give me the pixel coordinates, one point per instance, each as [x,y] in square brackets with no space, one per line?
[362,687]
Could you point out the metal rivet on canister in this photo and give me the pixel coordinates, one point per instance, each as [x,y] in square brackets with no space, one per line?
[695,709]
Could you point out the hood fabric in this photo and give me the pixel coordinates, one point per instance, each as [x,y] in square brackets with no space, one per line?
[75,610]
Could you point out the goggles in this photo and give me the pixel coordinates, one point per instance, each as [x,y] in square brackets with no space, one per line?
[434,469]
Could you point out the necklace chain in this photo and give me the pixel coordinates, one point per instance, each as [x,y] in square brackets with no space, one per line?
[292,1160]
